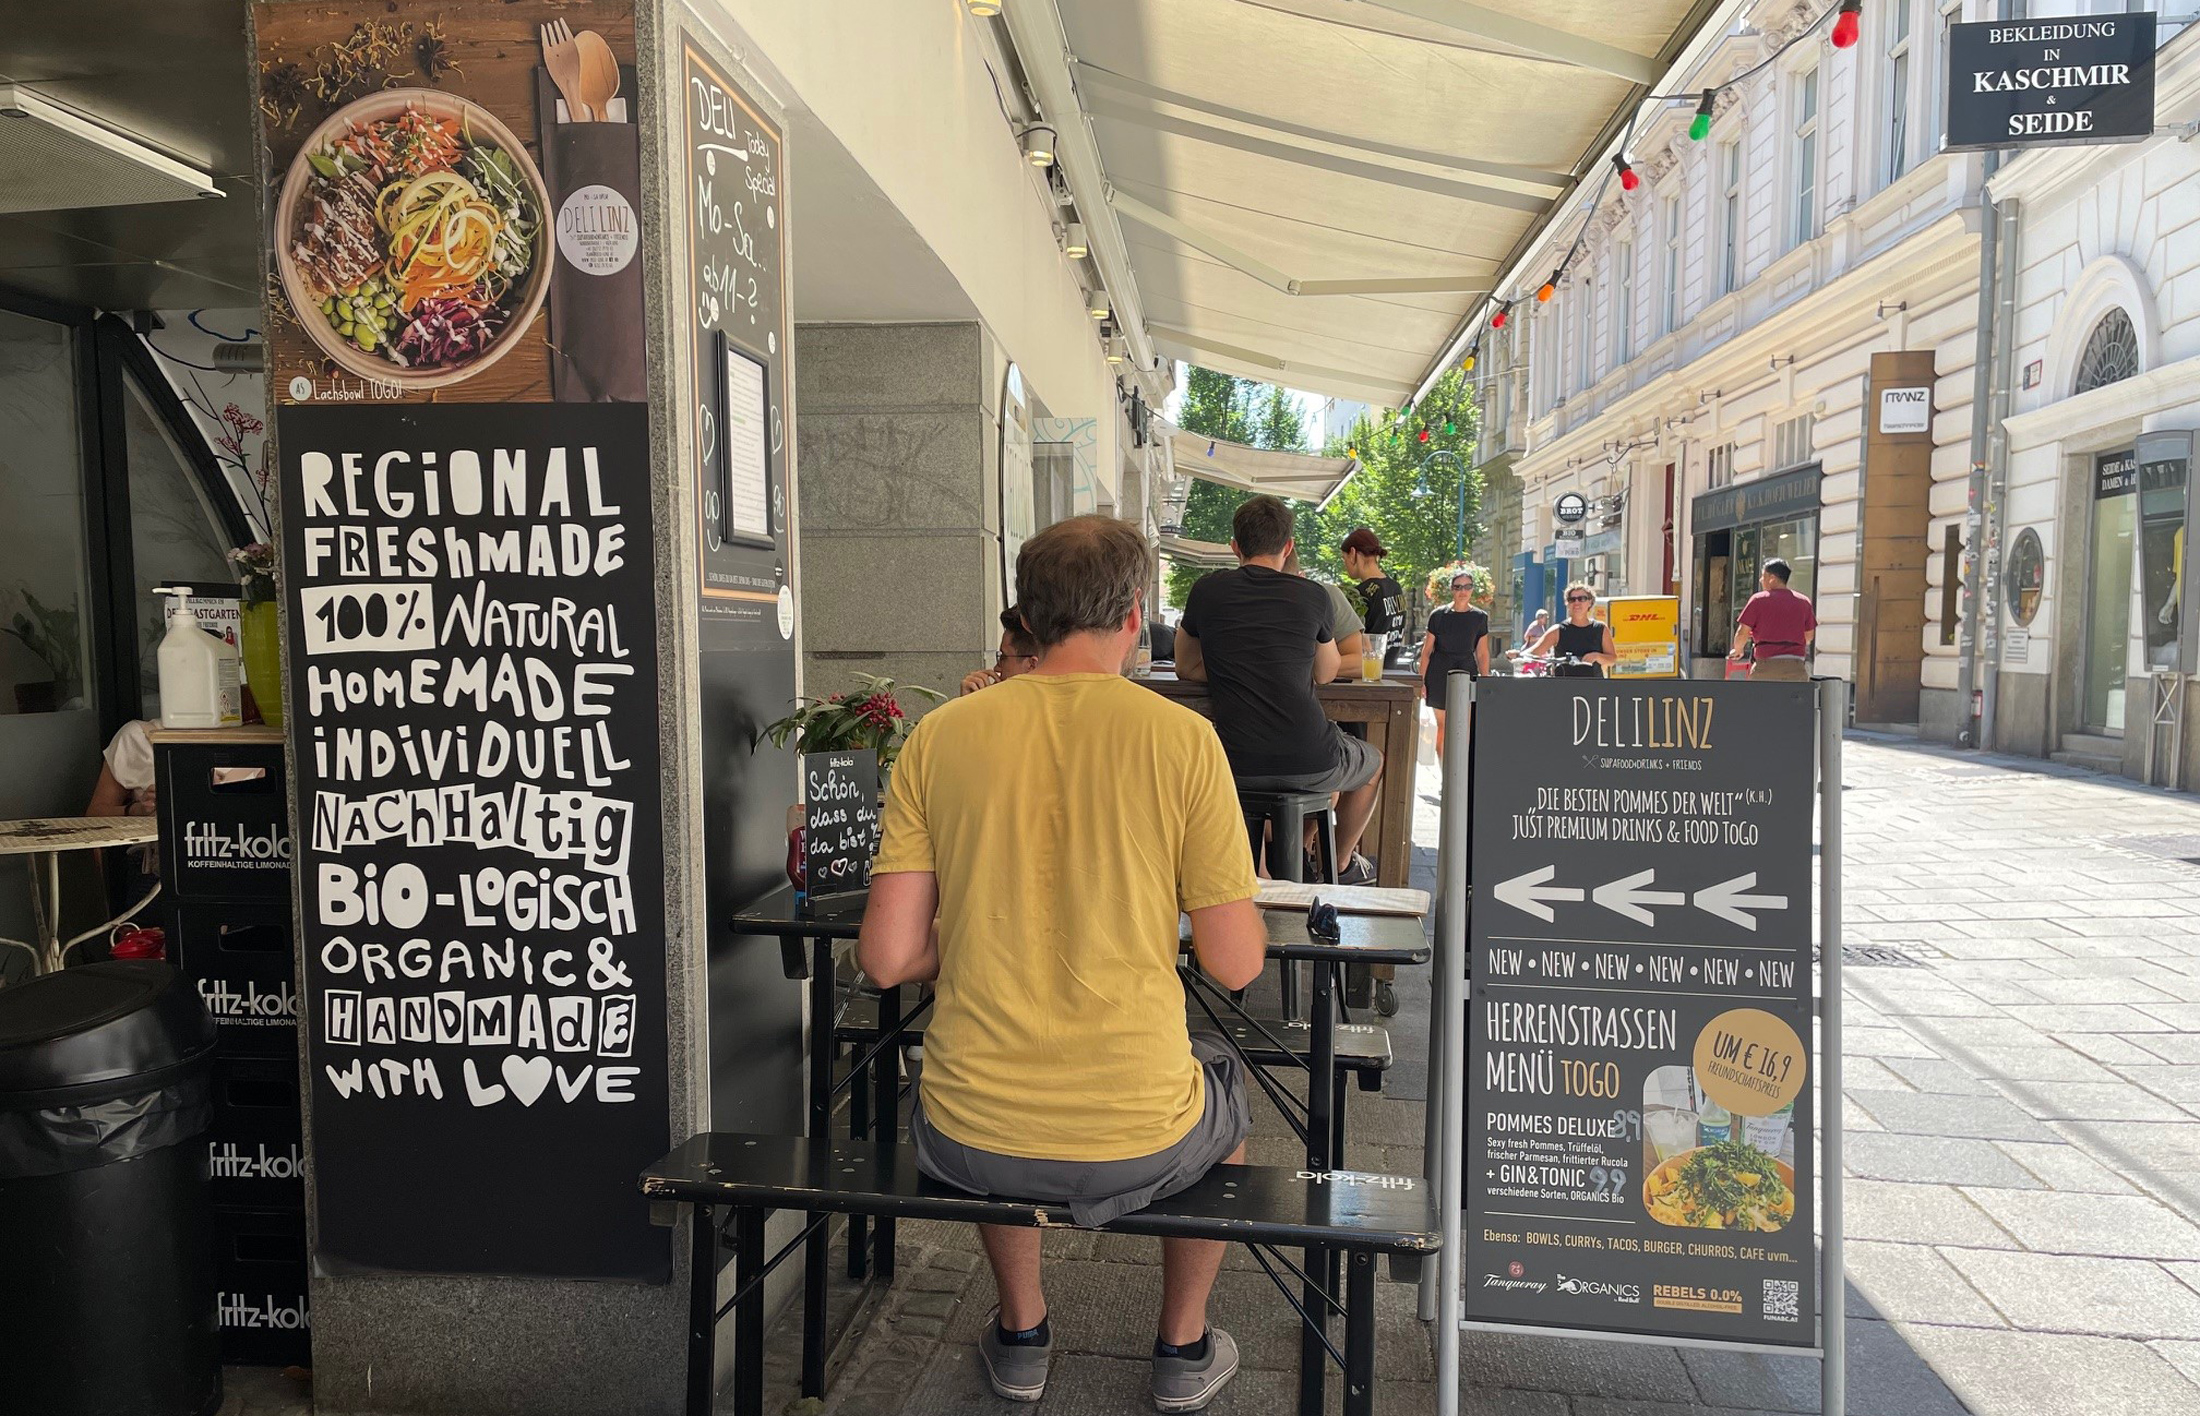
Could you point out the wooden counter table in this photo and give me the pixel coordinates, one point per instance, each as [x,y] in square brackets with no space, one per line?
[1391,710]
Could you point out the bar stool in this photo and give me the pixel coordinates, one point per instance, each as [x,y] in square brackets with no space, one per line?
[1282,817]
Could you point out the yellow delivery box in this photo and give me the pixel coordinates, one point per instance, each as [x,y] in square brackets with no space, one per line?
[1645,632]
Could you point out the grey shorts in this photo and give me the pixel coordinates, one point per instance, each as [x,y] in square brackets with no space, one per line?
[1353,763]
[1100,1191]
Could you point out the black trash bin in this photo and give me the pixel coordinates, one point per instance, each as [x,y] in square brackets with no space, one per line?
[106,1234]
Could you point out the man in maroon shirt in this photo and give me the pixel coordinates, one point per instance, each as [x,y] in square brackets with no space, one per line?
[1780,623]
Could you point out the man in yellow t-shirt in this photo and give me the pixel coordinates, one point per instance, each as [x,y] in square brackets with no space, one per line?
[1053,827]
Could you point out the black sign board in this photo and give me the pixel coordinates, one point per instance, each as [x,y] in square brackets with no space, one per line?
[734,174]
[840,821]
[1639,1093]
[1570,507]
[1781,498]
[2051,82]
[2115,474]
[474,704]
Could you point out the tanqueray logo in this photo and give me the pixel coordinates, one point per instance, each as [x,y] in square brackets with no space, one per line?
[1598,1288]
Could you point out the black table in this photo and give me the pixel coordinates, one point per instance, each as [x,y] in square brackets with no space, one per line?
[806,932]
[1362,939]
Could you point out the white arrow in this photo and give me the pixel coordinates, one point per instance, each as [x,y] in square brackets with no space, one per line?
[1627,897]
[1528,892]
[1727,901]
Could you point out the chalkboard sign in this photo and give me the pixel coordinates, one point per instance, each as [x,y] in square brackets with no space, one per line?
[474,706]
[737,317]
[1640,1091]
[840,821]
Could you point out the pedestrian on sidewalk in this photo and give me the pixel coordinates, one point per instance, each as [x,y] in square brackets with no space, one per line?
[1583,639]
[1457,641]
[1781,624]
[1041,837]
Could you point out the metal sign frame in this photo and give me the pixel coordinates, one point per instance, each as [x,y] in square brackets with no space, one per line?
[1443,1299]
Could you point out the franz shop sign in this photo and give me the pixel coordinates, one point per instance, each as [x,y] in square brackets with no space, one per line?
[2051,82]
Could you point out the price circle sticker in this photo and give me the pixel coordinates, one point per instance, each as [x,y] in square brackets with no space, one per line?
[1750,1061]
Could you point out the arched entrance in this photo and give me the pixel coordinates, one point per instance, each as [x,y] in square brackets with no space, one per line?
[2111,354]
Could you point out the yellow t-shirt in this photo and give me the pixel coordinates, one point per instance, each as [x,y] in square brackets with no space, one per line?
[1069,818]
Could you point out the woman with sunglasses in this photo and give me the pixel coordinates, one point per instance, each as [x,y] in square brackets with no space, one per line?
[1457,641]
[1580,638]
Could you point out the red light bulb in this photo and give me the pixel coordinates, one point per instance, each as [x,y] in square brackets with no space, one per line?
[1847,25]
[1424,435]
[1628,179]
[1497,321]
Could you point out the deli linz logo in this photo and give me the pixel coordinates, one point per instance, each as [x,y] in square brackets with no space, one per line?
[1598,1288]
[226,1160]
[227,1001]
[205,844]
[265,1311]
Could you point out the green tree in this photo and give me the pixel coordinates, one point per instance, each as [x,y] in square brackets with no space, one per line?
[1408,489]
[1231,409]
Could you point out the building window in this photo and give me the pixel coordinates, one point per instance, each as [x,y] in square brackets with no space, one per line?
[1623,303]
[1669,277]
[1730,217]
[2111,353]
[1898,89]
[1719,469]
[1803,222]
[1951,13]
[1792,442]
[1585,322]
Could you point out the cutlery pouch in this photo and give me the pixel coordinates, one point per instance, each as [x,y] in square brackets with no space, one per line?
[594,173]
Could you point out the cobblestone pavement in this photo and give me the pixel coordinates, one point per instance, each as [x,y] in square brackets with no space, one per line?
[2023,1112]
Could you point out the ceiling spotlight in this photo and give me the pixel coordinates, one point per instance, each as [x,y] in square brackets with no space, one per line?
[1097,305]
[983,9]
[1115,350]
[1038,140]
[1074,244]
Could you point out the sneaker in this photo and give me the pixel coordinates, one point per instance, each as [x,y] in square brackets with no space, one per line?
[1357,871]
[1017,1373]
[1181,1384]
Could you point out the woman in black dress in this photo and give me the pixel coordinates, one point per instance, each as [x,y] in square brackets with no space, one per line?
[1579,636]
[1458,639]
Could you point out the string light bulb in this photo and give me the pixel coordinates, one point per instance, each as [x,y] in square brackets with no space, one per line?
[1547,289]
[1497,321]
[1699,128]
[1848,24]
[1424,435]
[1467,364]
[1629,179]
[1450,427]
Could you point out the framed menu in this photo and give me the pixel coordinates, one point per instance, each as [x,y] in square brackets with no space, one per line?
[744,464]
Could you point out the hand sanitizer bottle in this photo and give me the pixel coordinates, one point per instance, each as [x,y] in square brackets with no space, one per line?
[198,672]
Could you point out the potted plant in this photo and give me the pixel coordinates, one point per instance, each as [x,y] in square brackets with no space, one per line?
[51,634]
[870,717]
[259,632]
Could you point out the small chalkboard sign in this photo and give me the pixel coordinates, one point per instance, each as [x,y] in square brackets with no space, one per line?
[840,821]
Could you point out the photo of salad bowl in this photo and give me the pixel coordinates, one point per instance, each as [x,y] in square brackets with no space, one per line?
[412,238]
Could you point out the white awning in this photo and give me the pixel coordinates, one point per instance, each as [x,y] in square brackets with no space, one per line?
[1185,551]
[1320,193]
[1297,476]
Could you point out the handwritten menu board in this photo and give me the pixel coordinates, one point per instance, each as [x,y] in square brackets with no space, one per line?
[474,706]
[840,821]
[1640,1091]
[735,173]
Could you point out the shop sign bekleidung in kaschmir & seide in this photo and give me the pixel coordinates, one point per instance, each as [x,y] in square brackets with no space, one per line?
[1639,1154]
[2051,82]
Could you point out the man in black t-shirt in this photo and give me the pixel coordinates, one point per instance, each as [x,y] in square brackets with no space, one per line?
[1382,599]
[1261,639]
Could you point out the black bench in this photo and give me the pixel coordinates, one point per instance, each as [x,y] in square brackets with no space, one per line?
[1355,1214]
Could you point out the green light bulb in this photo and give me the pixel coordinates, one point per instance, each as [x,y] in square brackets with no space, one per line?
[1700,128]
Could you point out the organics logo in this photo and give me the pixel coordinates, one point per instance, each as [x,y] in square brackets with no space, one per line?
[1597,1288]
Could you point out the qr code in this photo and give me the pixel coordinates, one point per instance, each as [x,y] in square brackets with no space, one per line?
[1783,1298]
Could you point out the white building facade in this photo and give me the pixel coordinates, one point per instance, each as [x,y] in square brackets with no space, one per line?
[1731,367]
